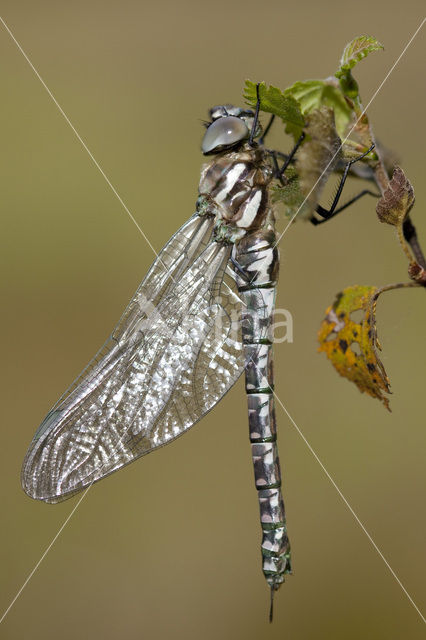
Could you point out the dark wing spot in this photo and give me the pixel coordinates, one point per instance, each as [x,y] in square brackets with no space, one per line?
[343,345]
[371,366]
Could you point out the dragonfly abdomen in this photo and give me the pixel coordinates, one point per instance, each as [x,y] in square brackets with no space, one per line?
[256,262]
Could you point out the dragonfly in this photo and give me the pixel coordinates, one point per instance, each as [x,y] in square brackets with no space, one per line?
[201,317]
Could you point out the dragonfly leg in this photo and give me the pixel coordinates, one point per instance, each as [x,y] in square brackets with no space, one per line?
[240,270]
[277,172]
[279,154]
[288,159]
[293,152]
[256,117]
[326,214]
[256,120]
[266,130]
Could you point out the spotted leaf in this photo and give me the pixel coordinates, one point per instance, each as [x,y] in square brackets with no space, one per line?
[351,346]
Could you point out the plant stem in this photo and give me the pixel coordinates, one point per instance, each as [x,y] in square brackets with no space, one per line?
[410,234]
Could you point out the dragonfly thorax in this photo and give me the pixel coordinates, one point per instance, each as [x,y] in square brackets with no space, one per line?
[235,185]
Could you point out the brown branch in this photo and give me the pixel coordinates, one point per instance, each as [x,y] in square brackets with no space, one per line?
[408,229]
[410,235]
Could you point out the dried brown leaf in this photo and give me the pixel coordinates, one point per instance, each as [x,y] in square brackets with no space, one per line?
[397,199]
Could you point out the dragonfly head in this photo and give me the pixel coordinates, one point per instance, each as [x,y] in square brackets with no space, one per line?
[229,127]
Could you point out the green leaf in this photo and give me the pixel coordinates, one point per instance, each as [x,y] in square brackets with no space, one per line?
[272,100]
[313,94]
[355,51]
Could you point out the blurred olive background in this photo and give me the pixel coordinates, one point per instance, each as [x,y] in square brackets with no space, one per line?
[169,547]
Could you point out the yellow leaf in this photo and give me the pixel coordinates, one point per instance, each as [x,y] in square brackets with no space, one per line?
[339,334]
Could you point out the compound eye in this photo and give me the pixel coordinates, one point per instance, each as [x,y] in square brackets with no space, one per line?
[223,133]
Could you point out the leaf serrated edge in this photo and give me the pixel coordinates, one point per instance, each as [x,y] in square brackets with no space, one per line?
[351,57]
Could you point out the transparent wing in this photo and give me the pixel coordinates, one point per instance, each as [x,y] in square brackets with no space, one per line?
[167,365]
[181,249]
